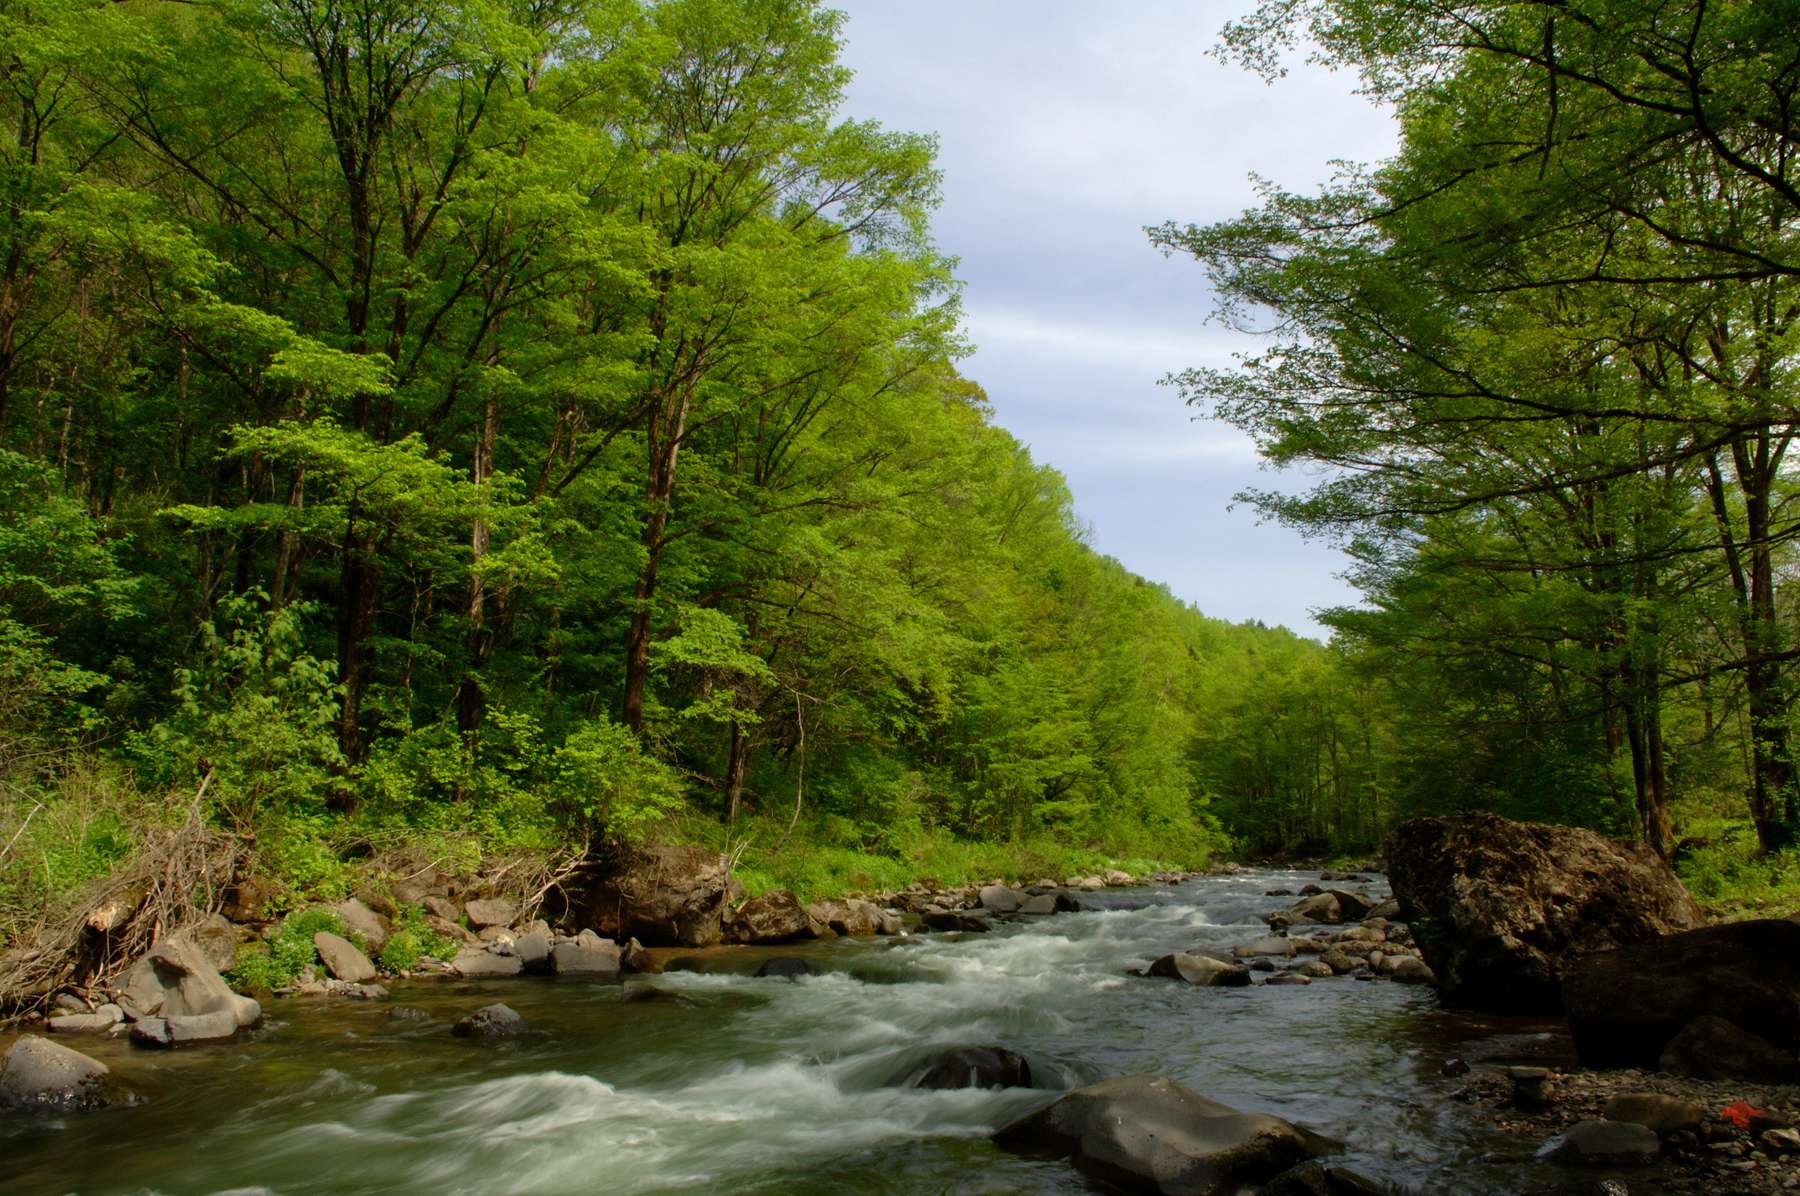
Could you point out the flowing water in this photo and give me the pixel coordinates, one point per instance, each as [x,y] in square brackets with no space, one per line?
[712,1080]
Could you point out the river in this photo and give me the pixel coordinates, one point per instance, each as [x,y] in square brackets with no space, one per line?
[712,1080]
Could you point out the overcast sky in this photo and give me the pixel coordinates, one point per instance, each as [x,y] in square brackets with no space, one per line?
[1065,126]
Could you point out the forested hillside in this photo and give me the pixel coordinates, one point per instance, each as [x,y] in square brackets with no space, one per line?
[521,426]
[1542,365]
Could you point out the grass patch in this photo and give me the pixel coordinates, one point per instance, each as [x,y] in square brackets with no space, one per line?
[1725,872]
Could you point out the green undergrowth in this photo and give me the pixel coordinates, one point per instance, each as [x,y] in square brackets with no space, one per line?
[279,959]
[1723,869]
[821,860]
[410,938]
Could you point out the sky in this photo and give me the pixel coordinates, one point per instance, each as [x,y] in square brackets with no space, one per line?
[1065,127]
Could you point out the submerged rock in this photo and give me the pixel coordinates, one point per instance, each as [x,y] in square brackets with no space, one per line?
[1150,1134]
[969,1067]
[490,1021]
[784,967]
[951,920]
[39,1075]
[1504,904]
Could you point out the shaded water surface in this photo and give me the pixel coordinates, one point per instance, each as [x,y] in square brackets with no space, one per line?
[718,1081]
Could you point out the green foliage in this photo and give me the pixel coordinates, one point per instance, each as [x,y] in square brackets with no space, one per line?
[410,939]
[279,959]
[603,782]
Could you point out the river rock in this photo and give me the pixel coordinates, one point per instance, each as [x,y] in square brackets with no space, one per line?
[360,920]
[1352,906]
[1656,1111]
[215,938]
[853,917]
[342,959]
[1505,902]
[1200,970]
[39,1075]
[998,899]
[951,920]
[533,950]
[589,957]
[490,1021]
[483,912]
[775,917]
[1039,905]
[478,963]
[1625,1005]
[1712,1048]
[1273,945]
[100,1021]
[969,1067]
[1387,911]
[175,979]
[1595,1143]
[1117,878]
[1406,969]
[1320,907]
[1284,978]
[784,967]
[661,896]
[1150,1134]
[439,906]
[1317,969]
[1340,962]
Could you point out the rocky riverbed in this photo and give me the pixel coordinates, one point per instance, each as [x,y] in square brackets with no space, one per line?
[706,1075]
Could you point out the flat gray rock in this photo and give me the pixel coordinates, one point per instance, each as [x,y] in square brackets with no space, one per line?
[594,961]
[477,963]
[490,911]
[359,919]
[341,958]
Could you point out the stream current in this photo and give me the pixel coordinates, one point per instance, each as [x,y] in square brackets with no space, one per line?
[705,1078]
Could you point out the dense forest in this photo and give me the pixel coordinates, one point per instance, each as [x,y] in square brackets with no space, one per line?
[537,425]
[1542,364]
[528,425]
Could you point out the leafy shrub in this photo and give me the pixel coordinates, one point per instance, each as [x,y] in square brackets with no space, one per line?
[278,960]
[412,938]
[602,781]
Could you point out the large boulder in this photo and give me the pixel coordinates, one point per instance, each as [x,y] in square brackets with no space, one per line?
[1626,1004]
[176,979]
[37,1074]
[999,899]
[1498,906]
[661,896]
[1150,1134]
[775,917]
[490,911]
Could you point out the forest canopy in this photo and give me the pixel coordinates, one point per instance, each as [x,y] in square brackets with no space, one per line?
[530,425]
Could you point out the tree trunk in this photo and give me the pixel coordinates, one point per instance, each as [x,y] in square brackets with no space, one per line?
[667,425]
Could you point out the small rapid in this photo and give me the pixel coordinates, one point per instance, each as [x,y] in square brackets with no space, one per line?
[708,1078]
